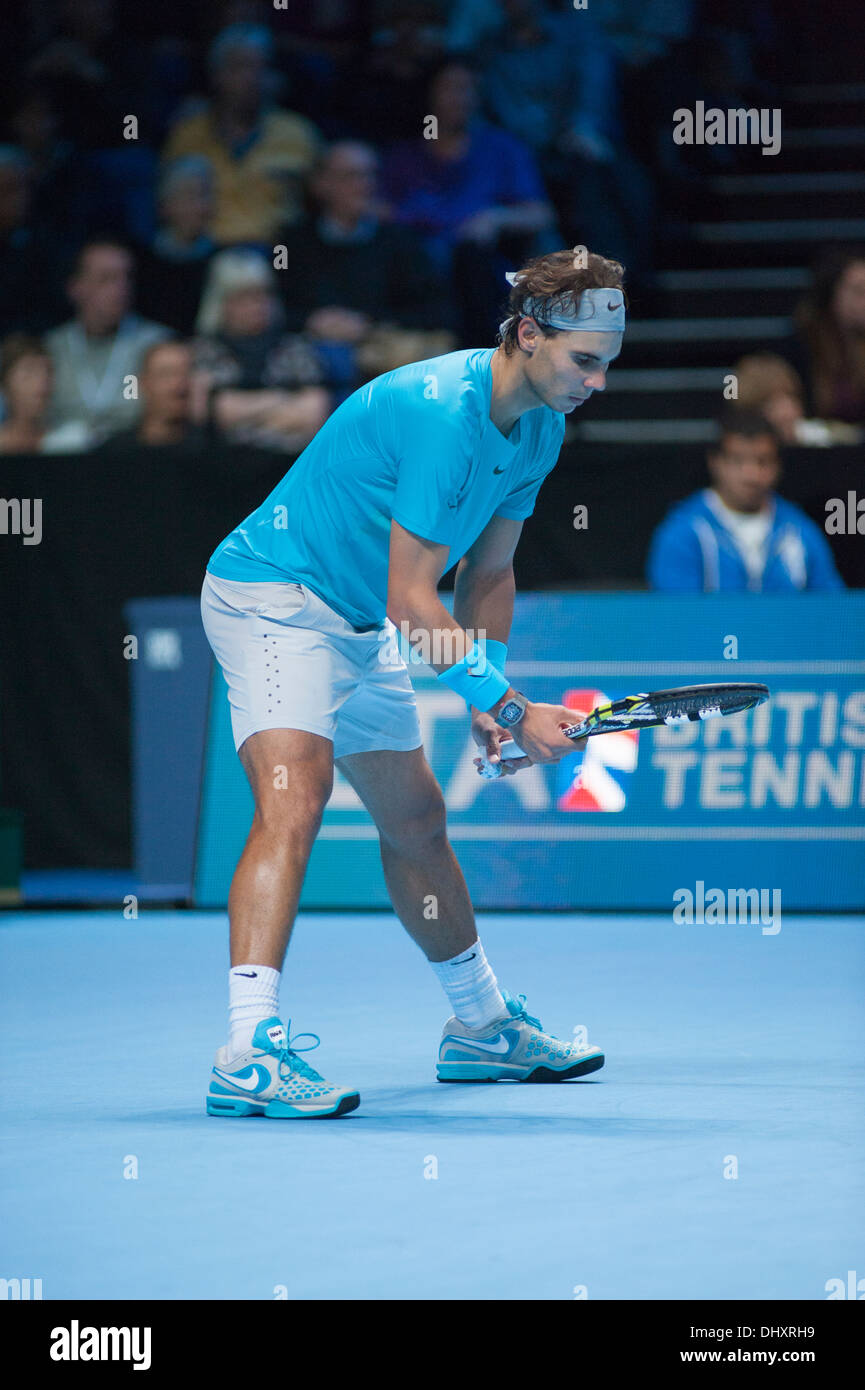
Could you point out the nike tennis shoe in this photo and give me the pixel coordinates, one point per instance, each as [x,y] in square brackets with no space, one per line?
[514,1048]
[271,1079]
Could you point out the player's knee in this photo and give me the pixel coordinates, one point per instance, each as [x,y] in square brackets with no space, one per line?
[420,828]
[289,826]
[294,804]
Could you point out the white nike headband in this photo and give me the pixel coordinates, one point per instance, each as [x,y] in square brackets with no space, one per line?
[593,311]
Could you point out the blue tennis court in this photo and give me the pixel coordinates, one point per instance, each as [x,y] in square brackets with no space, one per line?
[726,1050]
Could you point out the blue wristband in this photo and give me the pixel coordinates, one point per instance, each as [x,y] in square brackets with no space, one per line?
[476,679]
[497,653]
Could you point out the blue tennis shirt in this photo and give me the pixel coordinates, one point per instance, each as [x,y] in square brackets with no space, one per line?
[417,445]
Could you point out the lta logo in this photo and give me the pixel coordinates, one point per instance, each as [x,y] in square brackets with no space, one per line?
[596,780]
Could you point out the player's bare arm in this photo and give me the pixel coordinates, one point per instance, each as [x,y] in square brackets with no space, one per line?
[416,566]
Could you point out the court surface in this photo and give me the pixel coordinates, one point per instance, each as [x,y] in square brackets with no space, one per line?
[722,1045]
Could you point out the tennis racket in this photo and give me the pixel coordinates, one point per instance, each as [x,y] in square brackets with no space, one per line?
[685,702]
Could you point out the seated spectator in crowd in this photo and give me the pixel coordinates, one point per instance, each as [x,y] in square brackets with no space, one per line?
[385,96]
[830,346]
[474,195]
[100,74]
[26,381]
[265,386]
[62,182]
[739,534]
[31,290]
[165,389]
[767,383]
[171,272]
[98,71]
[97,352]
[352,282]
[320,48]
[640,33]
[562,58]
[259,154]
[551,78]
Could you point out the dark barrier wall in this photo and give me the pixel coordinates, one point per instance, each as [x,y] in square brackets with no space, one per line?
[120,525]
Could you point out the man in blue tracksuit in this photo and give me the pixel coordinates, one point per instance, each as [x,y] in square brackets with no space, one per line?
[739,534]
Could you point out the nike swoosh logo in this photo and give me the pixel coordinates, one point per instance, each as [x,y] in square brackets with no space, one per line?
[256,1082]
[611,307]
[501,1045]
[247,974]
[466,961]
[498,470]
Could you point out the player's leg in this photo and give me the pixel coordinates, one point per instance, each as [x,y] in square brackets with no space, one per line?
[404,799]
[424,881]
[491,1037]
[290,774]
[279,669]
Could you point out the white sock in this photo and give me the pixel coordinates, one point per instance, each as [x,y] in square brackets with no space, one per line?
[253,994]
[471,987]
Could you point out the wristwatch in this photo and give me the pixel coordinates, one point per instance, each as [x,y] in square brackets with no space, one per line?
[511,711]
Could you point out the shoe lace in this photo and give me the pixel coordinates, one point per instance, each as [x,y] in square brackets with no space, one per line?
[523,1013]
[289,1061]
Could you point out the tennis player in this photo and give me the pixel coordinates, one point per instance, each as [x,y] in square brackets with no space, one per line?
[436,462]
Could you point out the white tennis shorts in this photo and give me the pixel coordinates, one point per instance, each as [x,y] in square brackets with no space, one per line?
[291,662]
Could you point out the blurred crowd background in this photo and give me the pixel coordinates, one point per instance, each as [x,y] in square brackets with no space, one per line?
[256,208]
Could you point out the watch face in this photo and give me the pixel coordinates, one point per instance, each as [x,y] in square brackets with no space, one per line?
[511,712]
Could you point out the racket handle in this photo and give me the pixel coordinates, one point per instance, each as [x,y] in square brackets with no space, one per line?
[511,749]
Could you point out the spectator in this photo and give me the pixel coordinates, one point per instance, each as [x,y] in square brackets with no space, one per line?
[831,336]
[641,33]
[739,534]
[473,193]
[100,77]
[62,183]
[26,380]
[265,386]
[769,384]
[355,282]
[564,57]
[171,272]
[384,100]
[165,385]
[31,293]
[97,73]
[320,48]
[97,353]
[259,153]
[552,79]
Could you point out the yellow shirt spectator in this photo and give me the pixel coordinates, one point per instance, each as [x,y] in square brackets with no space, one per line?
[258,184]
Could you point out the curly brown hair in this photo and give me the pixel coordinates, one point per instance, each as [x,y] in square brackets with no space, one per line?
[554,278]
[837,360]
